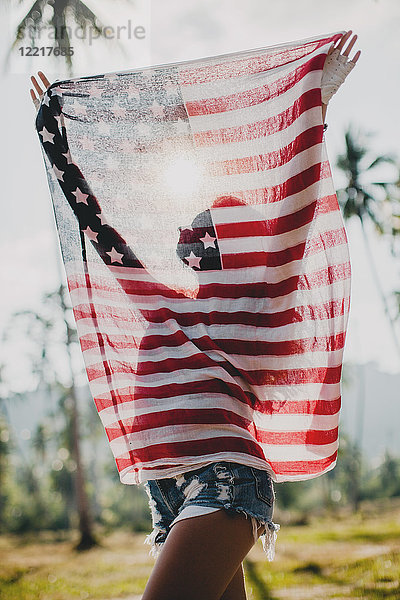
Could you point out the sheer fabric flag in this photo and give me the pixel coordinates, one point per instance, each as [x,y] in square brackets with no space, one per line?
[206,258]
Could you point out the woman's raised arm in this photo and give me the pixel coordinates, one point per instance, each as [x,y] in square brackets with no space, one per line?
[38,89]
[109,244]
[337,67]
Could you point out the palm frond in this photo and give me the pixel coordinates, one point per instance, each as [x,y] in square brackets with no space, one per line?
[64,11]
[383,184]
[32,19]
[357,199]
[386,158]
[83,16]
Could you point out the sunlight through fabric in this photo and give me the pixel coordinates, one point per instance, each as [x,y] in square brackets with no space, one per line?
[206,258]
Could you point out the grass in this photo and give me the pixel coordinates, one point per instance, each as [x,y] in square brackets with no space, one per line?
[339,556]
[342,556]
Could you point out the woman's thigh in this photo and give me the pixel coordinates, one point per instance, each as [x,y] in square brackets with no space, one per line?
[200,557]
[236,589]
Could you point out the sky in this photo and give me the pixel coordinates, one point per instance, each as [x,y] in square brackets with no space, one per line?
[178,30]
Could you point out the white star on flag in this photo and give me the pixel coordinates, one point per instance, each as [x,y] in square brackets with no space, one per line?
[182,126]
[95,92]
[170,88]
[59,119]
[157,109]
[208,241]
[104,128]
[47,136]
[126,146]
[134,93]
[102,218]
[46,99]
[58,173]
[92,235]
[148,74]
[56,92]
[119,112]
[69,158]
[145,221]
[115,256]
[142,129]
[193,260]
[87,144]
[79,110]
[110,162]
[80,196]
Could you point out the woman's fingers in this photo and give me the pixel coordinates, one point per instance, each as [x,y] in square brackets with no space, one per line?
[343,40]
[38,87]
[44,79]
[35,100]
[345,37]
[350,45]
[356,57]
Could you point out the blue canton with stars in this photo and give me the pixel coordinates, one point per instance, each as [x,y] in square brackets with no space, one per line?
[152,107]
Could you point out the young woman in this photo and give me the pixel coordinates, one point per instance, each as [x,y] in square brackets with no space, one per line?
[233,503]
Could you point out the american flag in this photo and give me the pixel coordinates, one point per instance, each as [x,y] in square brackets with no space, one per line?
[212,300]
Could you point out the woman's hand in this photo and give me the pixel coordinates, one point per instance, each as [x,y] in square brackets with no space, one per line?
[337,67]
[350,45]
[40,92]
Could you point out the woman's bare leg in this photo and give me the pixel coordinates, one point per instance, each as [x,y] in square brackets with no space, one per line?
[236,589]
[200,558]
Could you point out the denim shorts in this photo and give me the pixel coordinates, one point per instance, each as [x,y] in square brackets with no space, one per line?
[231,486]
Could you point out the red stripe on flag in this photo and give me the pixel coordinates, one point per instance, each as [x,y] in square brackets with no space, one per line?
[176,417]
[293,185]
[265,127]
[297,314]
[287,438]
[283,407]
[200,361]
[321,278]
[272,160]
[328,239]
[251,97]
[267,227]
[200,448]
[298,467]
[206,386]
[228,68]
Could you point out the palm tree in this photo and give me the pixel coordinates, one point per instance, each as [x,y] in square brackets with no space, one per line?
[395,229]
[365,202]
[4,451]
[87,539]
[53,325]
[64,13]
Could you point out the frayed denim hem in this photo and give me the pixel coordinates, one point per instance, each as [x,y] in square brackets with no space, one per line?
[268,537]
[156,547]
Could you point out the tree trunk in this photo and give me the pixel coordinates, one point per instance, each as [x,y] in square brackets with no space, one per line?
[379,288]
[359,438]
[87,538]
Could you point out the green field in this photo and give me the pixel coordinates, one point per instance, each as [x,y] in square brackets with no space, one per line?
[338,556]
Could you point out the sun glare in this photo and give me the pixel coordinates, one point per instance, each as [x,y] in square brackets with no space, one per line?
[183,176]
